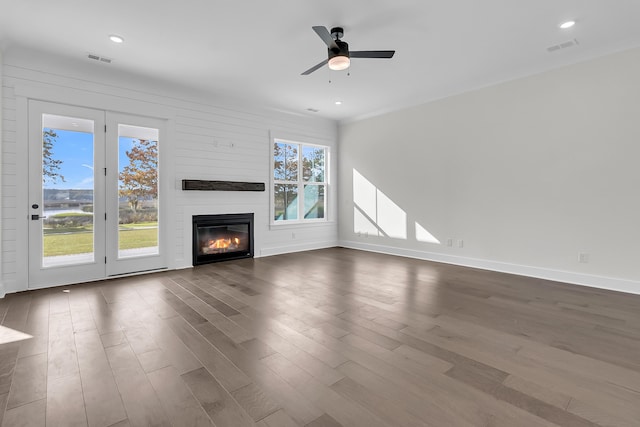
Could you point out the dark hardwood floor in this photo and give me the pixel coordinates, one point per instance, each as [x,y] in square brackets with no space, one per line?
[333,337]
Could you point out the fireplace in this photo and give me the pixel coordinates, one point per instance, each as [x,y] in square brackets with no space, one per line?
[222,237]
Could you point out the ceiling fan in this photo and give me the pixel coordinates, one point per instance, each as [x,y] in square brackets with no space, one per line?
[338,51]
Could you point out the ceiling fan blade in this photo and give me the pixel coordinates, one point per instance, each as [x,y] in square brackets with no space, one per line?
[325,36]
[372,54]
[315,67]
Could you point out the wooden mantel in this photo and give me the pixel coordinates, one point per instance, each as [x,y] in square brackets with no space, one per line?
[200,185]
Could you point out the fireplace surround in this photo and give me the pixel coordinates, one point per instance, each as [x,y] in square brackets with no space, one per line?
[222,237]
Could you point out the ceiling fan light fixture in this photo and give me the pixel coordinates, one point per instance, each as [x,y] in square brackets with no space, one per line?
[339,63]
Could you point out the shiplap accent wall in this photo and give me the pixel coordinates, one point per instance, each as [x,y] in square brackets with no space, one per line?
[209,138]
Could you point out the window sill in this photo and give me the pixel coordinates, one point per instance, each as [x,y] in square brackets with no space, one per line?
[290,225]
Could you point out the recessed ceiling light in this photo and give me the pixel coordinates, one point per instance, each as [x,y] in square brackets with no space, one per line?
[338,102]
[567,24]
[116,39]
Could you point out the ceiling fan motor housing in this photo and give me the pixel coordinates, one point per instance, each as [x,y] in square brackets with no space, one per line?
[342,50]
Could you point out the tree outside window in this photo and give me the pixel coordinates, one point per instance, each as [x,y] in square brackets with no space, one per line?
[138,181]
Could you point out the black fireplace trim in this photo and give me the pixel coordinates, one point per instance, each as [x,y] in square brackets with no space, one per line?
[200,185]
[223,219]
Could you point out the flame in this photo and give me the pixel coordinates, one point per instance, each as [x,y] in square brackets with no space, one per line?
[219,243]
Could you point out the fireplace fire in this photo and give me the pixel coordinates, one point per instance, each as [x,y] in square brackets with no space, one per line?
[221,245]
[222,237]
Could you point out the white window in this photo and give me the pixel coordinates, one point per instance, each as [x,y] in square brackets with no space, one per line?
[299,182]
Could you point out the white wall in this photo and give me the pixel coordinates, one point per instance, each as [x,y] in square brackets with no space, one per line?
[529,174]
[2,291]
[209,138]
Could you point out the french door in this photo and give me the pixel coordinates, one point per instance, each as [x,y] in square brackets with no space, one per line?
[94,205]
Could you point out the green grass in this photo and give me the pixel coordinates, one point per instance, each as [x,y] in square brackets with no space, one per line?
[88,228]
[138,224]
[68,244]
[131,239]
[61,230]
[68,214]
[81,242]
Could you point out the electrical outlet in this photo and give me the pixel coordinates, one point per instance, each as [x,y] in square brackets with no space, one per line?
[461,243]
[293,235]
[583,258]
[449,242]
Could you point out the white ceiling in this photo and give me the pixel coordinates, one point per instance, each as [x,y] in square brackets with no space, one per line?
[255,50]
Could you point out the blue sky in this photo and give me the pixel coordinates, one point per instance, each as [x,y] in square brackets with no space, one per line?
[75,149]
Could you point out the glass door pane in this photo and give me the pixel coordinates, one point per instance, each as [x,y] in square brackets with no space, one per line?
[135,238]
[66,241]
[67,191]
[138,202]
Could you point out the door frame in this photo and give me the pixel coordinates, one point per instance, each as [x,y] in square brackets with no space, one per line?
[119,99]
[60,275]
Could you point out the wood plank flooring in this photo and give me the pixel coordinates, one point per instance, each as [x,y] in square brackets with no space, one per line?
[333,338]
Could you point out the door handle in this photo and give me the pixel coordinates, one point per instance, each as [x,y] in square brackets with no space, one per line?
[37,217]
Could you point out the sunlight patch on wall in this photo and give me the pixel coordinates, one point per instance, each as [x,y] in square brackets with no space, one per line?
[375,214]
[422,235]
[391,219]
[364,195]
[8,335]
[362,224]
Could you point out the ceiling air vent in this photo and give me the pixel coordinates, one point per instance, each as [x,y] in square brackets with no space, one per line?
[313,110]
[99,58]
[564,45]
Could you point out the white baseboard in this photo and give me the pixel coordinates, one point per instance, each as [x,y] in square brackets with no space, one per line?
[295,248]
[601,282]
[7,287]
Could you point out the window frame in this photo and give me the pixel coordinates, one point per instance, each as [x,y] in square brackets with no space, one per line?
[300,184]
